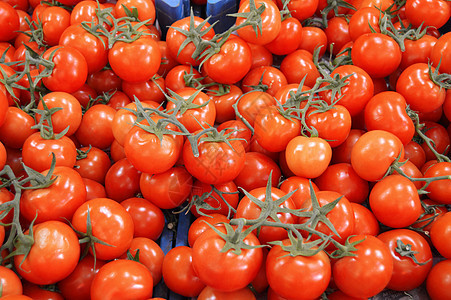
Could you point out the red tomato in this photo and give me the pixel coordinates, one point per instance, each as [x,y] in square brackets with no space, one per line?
[313,38]
[440,53]
[250,104]
[200,225]
[145,9]
[440,137]
[178,273]
[440,233]
[239,269]
[288,39]
[122,279]
[298,276]
[301,186]
[308,156]
[301,9]
[364,220]
[439,12]
[439,190]
[147,217]
[53,255]
[94,165]
[368,272]
[438,283]
[10,282]
[10,20]
[122,180]
[266,78]
[167,190]
[412,258]
[298,64]
[16,128]
[241,294]
[218,203]
[364,21]
[110,223]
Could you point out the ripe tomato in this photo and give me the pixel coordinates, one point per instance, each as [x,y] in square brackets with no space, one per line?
[16,128]
[301,186]
[368,272]
[10,19]
[364,221]
[145,9]
[438,283]
[298,64]
[10,282]
[313,38]
[178,273]
[77,284]
[288,39]
[122,180]
[58,201]
[338,33]
[440,233]
[374,152]
[110,223]
[224,102]
[270,23]
[439,12]
[150,91]
[439,190]
[439,135]
[147,217]
[417,51]
[362,21]
[53,255]
[136,61]
[200,225]
[241,294]
[250,104]
[301,9]
[407,272]
[167,190]
[122,279]
[308,156]
[440,53]
[216,201]
[212,265]
[297,277]
[95,165]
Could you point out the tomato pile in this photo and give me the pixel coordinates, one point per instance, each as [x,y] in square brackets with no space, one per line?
[310,143]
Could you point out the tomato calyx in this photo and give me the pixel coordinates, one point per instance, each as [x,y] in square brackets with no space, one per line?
[89,239]
[45,125]
[405,250]
[260,86]
[432,211]
[252,18]
[334,5]
[35,32]
[298,247]
[83,154]
[348,249]
[386,27]
[443,80]
[285,12]
[198,201]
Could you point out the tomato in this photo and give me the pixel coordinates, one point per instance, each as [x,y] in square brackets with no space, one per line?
[250,104]
[298,64]
[36,292]
[151,90]
[440,12]
[342,153]
[313,38]
[16,297]
[178,273]
[104,81]
[16,128]
[58,201]
[332,125]
[216,201]
[260,56]
[439,190]
[387,111]
[343,179]
[249,210]
[337,33]
[212,265]
[301,188]
[122,180]
[368,272]
[211,293]
[270,23]
[167,190]
[54,20]
[199,225]
[256,171]
[440,53]
[363,21]
[371,48]
[374,152]
[273,130]
[175,39]
[145,9]
[234,52]
[90,46]
[70,69]
[440,232]
[441,140]
[223,101]
[147,217]
[10,19]
[288,39]
[415,154]
[364,220]
[10,282]
[167,60]
[195,111]
[217,161]
[417,51]
[69,115]
[417,76]
[438,282]
[308,156]
[122,279]
[149,254]
[301,9]
[53,255]
[78,283]
[95,165]
[110,223]
[117,151]
[270,78]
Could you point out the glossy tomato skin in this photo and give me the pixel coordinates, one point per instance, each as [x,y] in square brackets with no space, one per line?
[440,53]
[308,156]
[122,279]
[230,195]
[241,294]
[416,77]
[250,104]
[167,190]
[59,200]
[148,219]
[122,180]
[200,225]
[367,273]
[439,13]
[364,221]
[16,127]
[374,152]
[438,282]
[53,256]
[407,274]
[298,64]
[371,48]
[288,39]
[440,233]
[301,186]
[297,277]
[225,271]
[235,52]
[110,222]
[271,78]
[178,272]
[95,165]
[11,284]
[217,162]
[439,190]
[77,284]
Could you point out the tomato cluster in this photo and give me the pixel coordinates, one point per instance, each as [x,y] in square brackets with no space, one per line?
[310,143]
